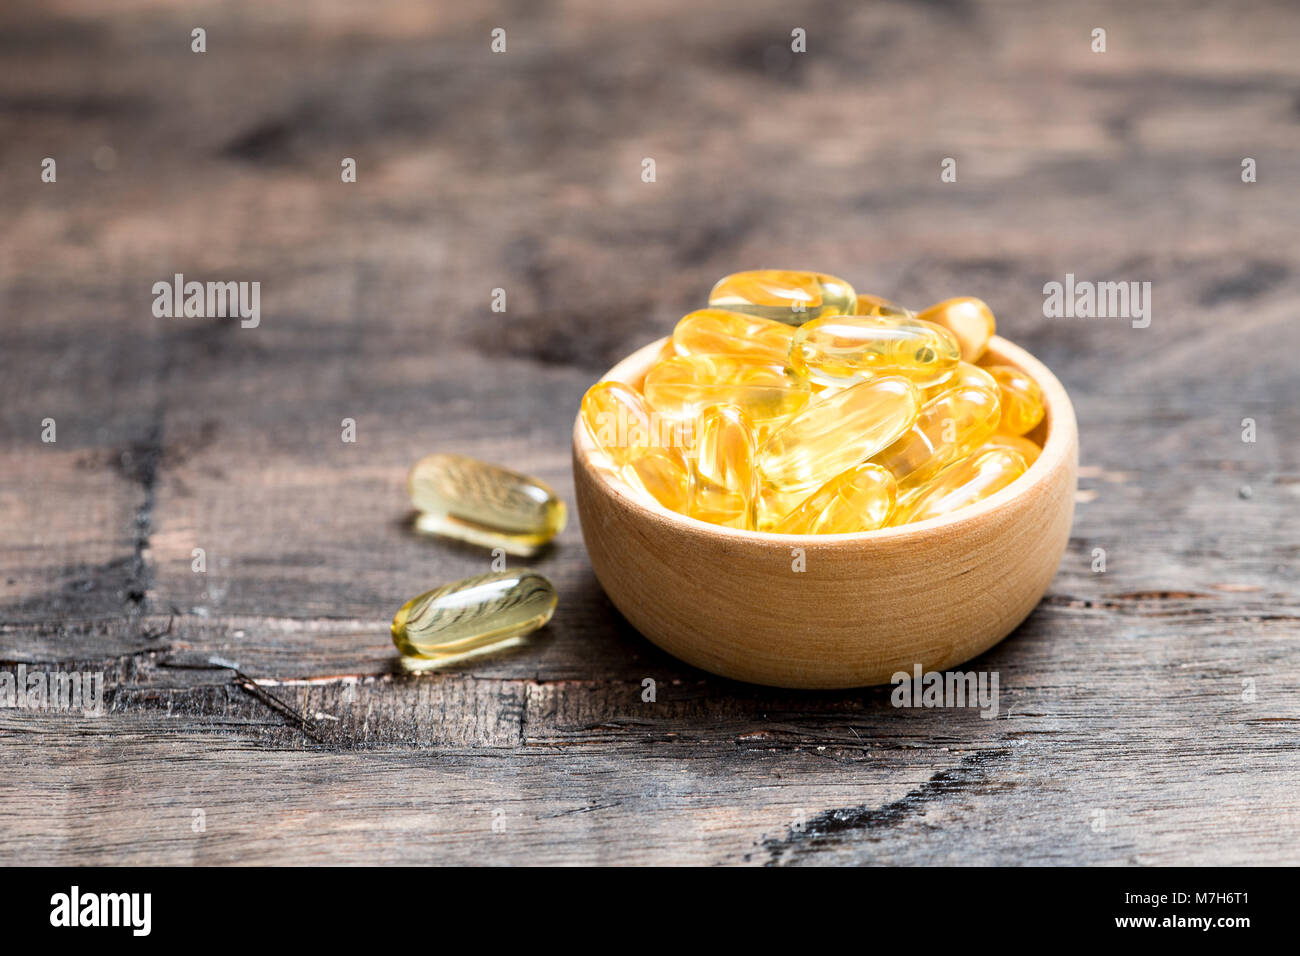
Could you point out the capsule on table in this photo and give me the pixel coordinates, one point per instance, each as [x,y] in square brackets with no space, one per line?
[963,483]
[683,386]
[618,420]
[726,476]
[664,473]
[1022,399]
[950,426]
[970,320]
[478,615]
[966,376]
[844,349]
[1022,446]
[723,332]
[784,295]
[860,499]
[467,499]
[836,432]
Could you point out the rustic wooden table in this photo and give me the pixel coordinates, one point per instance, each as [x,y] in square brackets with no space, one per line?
[1149,713]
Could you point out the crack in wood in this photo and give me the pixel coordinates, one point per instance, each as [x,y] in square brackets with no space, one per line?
[299,720]
[255,688]
[831,827]
[139,464]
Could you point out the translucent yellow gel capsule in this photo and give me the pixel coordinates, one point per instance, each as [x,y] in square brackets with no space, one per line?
[773,506]
[860,499]
[843,349]
[1022,399]
[783,295]
[685,385]
[618,420]
[837,432]
[970,321]
[726,477]
[1022,446]
[475,616]
[967,375]
[722,332]
[875,305]
[964,483]
[664,473]
[464,498]
[950,426]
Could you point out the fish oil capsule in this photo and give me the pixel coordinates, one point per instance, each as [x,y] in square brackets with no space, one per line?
[950,426]
[618,420]
[1022,446]
[467,499]
[471,617]
[683,386]
[970,321]
[967,375]
[837,432]
[1022,399]
[722,332]
[664,473]
[843,349]
[726,477]
[860,499]
[963,483]
[875,305]
[774,506]
[784,295]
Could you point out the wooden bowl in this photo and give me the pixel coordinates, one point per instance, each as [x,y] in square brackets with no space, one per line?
[866,605]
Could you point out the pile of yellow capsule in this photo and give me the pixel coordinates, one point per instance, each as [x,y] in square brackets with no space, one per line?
[796,406]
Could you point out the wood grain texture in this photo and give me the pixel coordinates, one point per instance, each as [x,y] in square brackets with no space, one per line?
[264,692]
[832,611]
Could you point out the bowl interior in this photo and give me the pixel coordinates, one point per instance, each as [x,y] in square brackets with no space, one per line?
[1056,434]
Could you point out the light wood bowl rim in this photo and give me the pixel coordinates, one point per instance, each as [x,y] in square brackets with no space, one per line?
[1058,449]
